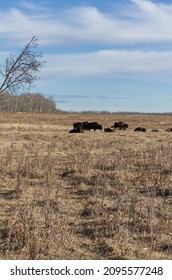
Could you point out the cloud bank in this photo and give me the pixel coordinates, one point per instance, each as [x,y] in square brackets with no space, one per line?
[135,38]
[110,62]
[140,21]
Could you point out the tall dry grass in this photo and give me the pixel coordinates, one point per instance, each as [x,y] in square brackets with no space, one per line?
[88,196]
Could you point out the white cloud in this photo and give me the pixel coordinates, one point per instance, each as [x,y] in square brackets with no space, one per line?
[109,62]
[141,21]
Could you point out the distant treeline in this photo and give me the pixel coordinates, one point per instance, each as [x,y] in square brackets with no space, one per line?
[121,113]
[27,102]
[38,103]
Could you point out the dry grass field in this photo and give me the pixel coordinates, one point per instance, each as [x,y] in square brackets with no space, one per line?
[92,195]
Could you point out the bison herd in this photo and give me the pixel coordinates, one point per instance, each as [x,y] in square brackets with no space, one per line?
[80,127]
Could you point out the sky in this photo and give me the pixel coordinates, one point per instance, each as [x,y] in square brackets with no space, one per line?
[100,55]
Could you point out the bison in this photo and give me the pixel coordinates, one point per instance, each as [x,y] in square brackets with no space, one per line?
[108,129]
[142,129]
[80,125]
[77,125]
[93,125]
[169,129]
[76,130]
[154,130]
[120,125]
[125,126]
[84,125]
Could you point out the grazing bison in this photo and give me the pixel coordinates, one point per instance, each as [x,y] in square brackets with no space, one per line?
[154,130]
[120,125]
[142,129]
[108,129]
[169,129]
[93,125]
[76,130]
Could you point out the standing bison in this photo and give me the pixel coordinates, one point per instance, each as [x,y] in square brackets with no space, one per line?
[77,125]
[84,125]
[80,125]
[120,125]
[93,125]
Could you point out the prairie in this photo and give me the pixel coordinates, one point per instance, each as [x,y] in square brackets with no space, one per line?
[92,195]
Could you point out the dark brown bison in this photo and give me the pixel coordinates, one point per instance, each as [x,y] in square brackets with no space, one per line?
[76,130]
[80,125]
[77,125]
[125,126]
[154,130]
[120,125]
[84,124]
[93,125]
[108,129]
[169,129]
[142,129]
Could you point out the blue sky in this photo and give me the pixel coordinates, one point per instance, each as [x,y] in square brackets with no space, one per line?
[100,55]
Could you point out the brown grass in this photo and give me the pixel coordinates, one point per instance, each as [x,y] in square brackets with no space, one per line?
[94,195]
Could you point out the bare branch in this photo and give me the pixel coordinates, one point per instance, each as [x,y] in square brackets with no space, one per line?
[20,72]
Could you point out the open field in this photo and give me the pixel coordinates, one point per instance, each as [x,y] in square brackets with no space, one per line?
[93,195]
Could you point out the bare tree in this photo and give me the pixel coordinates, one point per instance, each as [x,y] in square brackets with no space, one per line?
[20,71]
[28,102]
